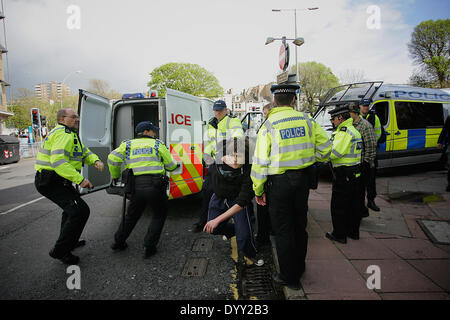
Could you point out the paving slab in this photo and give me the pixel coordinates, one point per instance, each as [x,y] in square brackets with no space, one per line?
[388,220]
[313,229]
[415,296]
[415,249]
[368,248]
[332,277]
[436,270]
[437,231]
[344,296]
[397,276]
[322,249]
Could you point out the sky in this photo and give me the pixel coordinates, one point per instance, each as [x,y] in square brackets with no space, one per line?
[123,41]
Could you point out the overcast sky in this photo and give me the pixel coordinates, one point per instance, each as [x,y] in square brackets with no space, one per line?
[123,41]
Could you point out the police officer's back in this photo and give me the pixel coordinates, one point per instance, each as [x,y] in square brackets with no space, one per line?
[288,144]
[148,158]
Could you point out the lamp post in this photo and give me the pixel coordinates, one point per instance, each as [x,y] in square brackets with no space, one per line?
[62,84]
[297,45]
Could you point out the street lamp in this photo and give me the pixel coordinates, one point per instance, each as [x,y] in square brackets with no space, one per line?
[62,83]
[295,20]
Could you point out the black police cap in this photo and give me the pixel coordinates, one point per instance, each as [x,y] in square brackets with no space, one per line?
[284,88]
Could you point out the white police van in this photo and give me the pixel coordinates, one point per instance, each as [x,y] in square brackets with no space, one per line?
[412,117]
[182,120]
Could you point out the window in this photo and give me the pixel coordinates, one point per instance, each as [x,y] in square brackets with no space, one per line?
[417,115]
[382,109]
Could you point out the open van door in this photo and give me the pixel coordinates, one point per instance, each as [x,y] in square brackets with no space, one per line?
[95,133]
[184,139]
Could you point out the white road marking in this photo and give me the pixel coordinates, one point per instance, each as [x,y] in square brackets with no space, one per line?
[21,206]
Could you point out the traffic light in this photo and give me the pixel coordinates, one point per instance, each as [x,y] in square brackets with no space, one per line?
[35,120]
[153,94]
[43,121]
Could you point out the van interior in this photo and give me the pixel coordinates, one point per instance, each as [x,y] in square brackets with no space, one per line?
[127,115]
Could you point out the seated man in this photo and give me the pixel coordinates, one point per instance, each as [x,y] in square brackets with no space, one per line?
[233,193]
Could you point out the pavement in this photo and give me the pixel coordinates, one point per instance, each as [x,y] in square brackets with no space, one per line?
[403,252]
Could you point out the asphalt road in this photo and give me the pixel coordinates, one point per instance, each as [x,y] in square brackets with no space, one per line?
[27,233]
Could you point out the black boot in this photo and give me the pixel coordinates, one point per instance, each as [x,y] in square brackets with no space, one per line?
[371,204]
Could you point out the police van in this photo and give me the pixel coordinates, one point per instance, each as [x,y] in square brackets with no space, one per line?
[412,117]
[181,117]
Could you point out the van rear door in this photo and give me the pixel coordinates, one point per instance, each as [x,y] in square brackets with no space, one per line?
[95,133]
[184,138]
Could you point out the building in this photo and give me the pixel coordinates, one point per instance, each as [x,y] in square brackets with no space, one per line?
[52,89]
[249,100]
[4,113]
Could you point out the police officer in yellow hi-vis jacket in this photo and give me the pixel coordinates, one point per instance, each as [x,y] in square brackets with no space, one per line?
[289,143]
[58,165]
[149,158]
[346,166]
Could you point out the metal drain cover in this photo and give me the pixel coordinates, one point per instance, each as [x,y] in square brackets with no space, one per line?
[257,283]
[195,267]
[202,244]
[437,231]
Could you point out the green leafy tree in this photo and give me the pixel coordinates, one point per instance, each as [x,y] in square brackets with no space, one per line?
[185,77]
[21,118]
[430,49]
[315,79]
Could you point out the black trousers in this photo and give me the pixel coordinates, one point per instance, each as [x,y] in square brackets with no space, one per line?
[345,201]
[75,210]
[288,206]
[371,183]
[207,192]
[263,220]
[148,190]
[365,177]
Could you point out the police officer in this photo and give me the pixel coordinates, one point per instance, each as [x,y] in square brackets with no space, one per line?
[368,153]
[58,165]
[374,120]
[288,144]
[346,160]
[219,129]
[148,157]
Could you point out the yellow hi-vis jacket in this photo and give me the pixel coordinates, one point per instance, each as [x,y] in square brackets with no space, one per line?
[209,150]
[288,140]
[347,145]
[376,126]
[228,127]
[64,153]
[144,155]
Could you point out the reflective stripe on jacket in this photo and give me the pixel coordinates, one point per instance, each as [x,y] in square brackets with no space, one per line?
[64,153]
[347,145]
[145,156]
[288,140]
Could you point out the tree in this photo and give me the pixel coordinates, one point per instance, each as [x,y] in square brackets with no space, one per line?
[102,88]
[352,76]
[185,77]
[315,79]
[430,48]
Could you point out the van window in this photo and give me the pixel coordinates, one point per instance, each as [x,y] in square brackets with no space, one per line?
[417,115]
[382,109]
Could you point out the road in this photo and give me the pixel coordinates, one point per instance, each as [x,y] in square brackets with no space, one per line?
[28,231]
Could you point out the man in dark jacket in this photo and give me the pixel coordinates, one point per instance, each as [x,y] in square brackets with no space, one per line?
[443,140]
[232,195]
